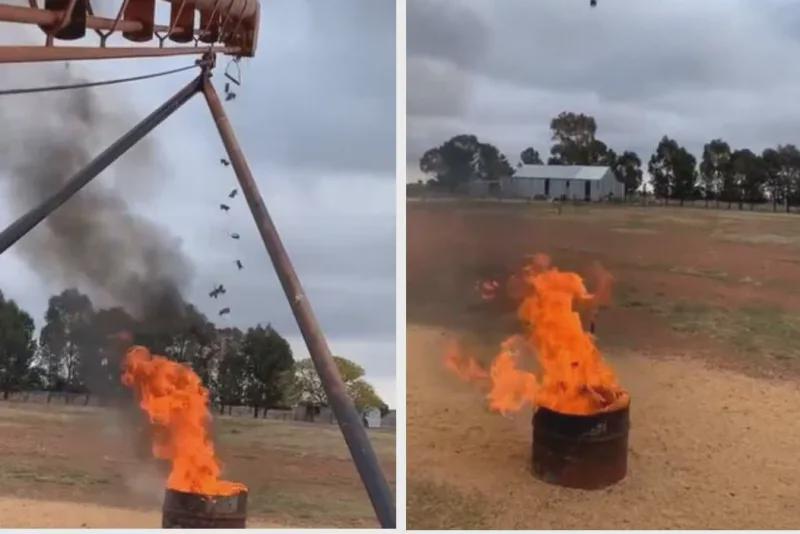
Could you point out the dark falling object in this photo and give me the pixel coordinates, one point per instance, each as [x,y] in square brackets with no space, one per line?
[239,265]
[230,96]
[593,3]
[224,161]
[217,291]
[224,311]
[224,207]
[235,236]
[192,510]
[233,193]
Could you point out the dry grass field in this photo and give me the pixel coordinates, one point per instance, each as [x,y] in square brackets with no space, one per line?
[75,467]
[704,331]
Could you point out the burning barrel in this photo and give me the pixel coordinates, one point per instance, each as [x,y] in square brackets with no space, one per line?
[192,510]
[581,451]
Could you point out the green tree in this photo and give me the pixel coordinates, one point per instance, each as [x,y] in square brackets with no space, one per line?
[232,377]
[66,331]
[628,169]
[492,164]
[269,362]
[673,170]
[685,175]
[750,175]
[715,169]
[575,142]
[782,165]
[464,158]
[661,168]
[17,347]
[359,390]
[530,156]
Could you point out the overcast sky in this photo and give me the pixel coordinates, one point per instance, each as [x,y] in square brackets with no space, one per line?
[692,70]
[315,116]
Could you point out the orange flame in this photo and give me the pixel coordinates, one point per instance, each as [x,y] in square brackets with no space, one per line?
[467,369]
[174,398]
[573,378]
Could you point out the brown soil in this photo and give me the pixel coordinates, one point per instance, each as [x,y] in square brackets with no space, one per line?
[713,440]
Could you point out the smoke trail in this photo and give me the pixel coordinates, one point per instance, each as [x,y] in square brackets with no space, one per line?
[95,240]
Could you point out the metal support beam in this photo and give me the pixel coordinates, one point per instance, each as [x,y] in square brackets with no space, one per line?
[27,222]
[343,408]
[22,54]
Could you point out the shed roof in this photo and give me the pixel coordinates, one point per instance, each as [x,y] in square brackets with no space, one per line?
[562,172]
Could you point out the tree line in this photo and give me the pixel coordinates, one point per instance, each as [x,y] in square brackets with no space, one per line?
[80,349]
[723,174]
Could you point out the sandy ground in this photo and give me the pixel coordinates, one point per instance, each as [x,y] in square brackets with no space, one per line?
[32,513]
[709,449]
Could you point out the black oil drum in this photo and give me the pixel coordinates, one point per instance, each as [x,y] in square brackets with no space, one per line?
[192,510]
[581,451]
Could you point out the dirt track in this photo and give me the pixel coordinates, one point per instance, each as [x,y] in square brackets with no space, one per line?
[709,449]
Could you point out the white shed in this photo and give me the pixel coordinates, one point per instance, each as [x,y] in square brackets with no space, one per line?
[372,418]
[571,182]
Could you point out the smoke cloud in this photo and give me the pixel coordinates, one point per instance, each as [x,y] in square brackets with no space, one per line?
[96,240]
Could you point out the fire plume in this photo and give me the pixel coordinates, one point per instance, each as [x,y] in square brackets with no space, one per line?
[573,378]
[176,402]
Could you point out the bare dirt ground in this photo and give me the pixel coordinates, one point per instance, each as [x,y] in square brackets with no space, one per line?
[72,467]
[704,333]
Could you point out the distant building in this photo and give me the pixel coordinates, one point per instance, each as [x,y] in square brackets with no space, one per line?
[568,182]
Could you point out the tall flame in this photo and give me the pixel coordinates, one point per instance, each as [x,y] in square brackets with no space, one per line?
[174,398]
[573,377]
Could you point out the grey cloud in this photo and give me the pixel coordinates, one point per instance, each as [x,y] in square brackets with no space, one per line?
[336,108]
[691,70]
[446,29]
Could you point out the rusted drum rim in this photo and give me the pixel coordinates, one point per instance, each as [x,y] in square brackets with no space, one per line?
[580,451]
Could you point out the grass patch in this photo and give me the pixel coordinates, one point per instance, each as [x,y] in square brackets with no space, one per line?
[47,476]
[700,273]
[312,439]
[440,506]
[758,238]
[751,330]
[307,502]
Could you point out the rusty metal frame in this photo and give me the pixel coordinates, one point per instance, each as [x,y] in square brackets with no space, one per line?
[24,54]
[105,36]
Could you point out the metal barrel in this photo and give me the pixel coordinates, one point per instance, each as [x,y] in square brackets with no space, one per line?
[581,451]
[192,510]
